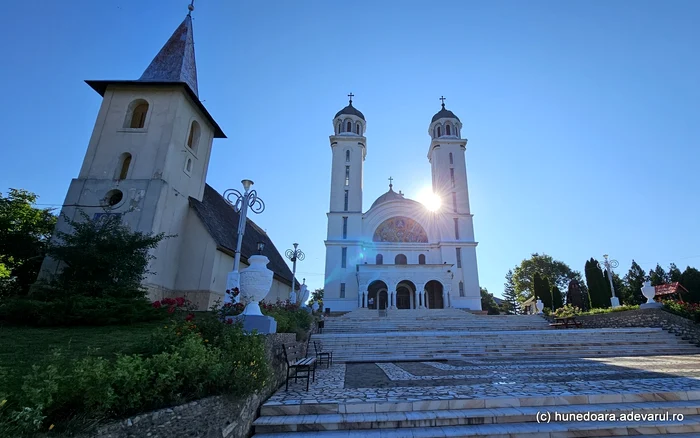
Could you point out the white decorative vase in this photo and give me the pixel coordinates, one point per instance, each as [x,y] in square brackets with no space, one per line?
[314,306]
[539,306]
[255,283]
[649,292]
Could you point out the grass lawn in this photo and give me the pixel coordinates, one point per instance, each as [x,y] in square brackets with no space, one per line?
[22,347]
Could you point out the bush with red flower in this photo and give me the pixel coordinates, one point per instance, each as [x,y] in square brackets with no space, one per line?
[684,309]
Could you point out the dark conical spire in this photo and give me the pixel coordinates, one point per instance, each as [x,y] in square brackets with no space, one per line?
[175,62]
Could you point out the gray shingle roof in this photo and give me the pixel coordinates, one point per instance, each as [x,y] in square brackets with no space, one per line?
[175,62]
[221,221]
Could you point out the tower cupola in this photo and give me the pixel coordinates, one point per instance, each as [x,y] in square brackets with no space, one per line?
[349,120]
[445,123]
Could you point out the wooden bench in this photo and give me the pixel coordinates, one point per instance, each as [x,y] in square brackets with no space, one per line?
[566,322]
[302,367]
[323,355]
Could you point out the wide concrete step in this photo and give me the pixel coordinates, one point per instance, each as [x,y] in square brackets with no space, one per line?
[515,430]
[437,418]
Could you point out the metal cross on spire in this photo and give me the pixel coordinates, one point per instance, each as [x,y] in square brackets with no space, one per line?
[190,8]
[390,182]
[442,98]
[349,95]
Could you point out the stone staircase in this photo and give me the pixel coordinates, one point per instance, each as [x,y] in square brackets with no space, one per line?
[365,320]
[449,373]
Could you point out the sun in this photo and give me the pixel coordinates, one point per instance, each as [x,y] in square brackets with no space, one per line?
[431,201]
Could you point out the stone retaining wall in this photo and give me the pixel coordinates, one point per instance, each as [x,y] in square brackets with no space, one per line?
[645,318]
[211,417]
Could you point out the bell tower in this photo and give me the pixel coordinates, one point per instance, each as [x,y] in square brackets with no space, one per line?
[449,171]
[343,247]
[149,151]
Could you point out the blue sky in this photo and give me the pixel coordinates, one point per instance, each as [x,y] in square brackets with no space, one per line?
[582,117]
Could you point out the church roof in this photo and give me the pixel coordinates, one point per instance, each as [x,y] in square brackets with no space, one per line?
[444,113]
[221,221]
[351,110]
[174,64]
[391,195]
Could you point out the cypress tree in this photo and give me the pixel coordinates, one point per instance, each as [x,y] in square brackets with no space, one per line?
[542,292]
[557,301]
[596,285]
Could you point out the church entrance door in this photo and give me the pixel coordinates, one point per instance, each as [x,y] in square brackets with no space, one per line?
[434,290]
[376,295]
[383,299]
[403,298]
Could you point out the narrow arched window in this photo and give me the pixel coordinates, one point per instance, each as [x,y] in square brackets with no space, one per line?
[349,127]
[339,128]
[461,288]
[400,259]
[421,259]
[357,129]
[136,114]
[189,165]
[380,259]
[439,132]
[451,161]
[193,137]
[347,156]
[447,130]
[124,163]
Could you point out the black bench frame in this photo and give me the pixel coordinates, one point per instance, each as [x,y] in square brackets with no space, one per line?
[303,367]
[323,355]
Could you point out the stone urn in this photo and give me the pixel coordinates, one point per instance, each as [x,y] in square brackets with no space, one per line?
[255,283]
[649,292]
[540,307]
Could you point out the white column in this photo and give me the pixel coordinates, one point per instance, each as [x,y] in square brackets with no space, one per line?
[425,299]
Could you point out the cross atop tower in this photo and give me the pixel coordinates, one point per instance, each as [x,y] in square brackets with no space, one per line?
[442,98]
[390,182]
[349,95]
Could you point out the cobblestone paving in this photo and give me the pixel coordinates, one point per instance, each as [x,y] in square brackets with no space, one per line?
[415,381]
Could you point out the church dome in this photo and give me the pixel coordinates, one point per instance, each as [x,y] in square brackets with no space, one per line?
[391,195]
[350,110]
[444,113]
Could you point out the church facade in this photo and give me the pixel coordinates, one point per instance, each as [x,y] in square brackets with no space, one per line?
[147,162]
[398,254]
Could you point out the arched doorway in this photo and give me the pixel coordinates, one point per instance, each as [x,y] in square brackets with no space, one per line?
[433,289]
[377,297]
[405,295]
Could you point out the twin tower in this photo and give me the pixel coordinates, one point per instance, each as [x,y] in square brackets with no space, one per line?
[399,254]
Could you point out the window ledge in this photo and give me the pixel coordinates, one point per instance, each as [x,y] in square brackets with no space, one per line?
[133,130]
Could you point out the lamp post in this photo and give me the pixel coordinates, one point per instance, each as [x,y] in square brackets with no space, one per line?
[241,202]
[294,255]
[609,265]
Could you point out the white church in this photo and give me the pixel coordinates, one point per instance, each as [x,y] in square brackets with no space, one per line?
[398,254]
[147,162]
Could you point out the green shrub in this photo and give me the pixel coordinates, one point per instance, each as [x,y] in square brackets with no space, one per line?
[190,366]
[681,308]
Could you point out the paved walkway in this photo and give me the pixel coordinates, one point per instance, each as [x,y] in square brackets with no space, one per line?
[610,379]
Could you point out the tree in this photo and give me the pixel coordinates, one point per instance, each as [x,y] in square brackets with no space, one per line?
[674,274]
[658,276]
[102,258]
[24,233]
[317,296]
[690,279]
[634,281]
[488,303]
[557,301]
[510,296]
[541,290]
[597,291]
[558,272]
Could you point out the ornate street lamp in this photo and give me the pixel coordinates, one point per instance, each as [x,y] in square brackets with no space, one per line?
[609,265]
[241,202]
[294,255]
